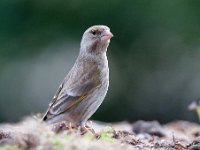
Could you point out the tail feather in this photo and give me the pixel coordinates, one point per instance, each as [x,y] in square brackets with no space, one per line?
[46,116]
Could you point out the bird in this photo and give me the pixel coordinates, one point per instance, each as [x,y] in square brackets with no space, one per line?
[195,105]
[84,88]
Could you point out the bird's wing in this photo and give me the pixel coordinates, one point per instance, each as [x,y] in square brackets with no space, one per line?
[66,98]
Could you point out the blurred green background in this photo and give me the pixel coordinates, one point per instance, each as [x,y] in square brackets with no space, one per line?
[154,57]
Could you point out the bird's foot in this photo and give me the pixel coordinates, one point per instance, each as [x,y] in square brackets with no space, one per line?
[70,127]
[86,129]
[64,126]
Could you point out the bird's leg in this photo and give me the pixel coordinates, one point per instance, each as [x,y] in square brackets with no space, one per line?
[58,127]
[91,129]
[70,126]
[82,129]
[61,126]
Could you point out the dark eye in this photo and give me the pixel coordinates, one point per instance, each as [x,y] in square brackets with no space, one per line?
[94,32]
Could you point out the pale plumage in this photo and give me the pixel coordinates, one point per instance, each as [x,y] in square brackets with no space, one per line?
[86,85]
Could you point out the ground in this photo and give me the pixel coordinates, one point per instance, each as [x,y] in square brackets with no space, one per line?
[31,133]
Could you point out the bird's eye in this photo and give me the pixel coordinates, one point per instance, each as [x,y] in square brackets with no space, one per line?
[94,32]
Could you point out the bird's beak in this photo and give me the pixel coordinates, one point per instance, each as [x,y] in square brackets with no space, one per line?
[192,106]
[106,35]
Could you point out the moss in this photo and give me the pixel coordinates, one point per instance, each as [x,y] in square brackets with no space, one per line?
[107,135]
[57,141]
[89,136]
[9,147]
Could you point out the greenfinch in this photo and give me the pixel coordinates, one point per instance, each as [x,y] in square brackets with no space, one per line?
[195,105]
[85,86]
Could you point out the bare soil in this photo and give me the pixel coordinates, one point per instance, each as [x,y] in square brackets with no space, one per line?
[31,133]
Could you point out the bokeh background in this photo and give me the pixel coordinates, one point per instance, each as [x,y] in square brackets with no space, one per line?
[154,57]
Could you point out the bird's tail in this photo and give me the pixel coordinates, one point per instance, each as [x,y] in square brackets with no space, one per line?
[46,116]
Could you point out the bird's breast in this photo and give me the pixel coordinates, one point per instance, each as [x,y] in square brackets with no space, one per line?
[104,69]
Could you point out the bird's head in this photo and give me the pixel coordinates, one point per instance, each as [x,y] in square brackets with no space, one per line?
[195,105]
[96,39]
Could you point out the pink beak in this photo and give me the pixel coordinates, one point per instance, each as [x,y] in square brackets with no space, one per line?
[106,35]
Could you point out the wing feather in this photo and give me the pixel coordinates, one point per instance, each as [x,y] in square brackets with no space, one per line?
[75,88]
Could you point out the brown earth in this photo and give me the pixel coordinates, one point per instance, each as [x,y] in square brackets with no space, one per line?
[31,133]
